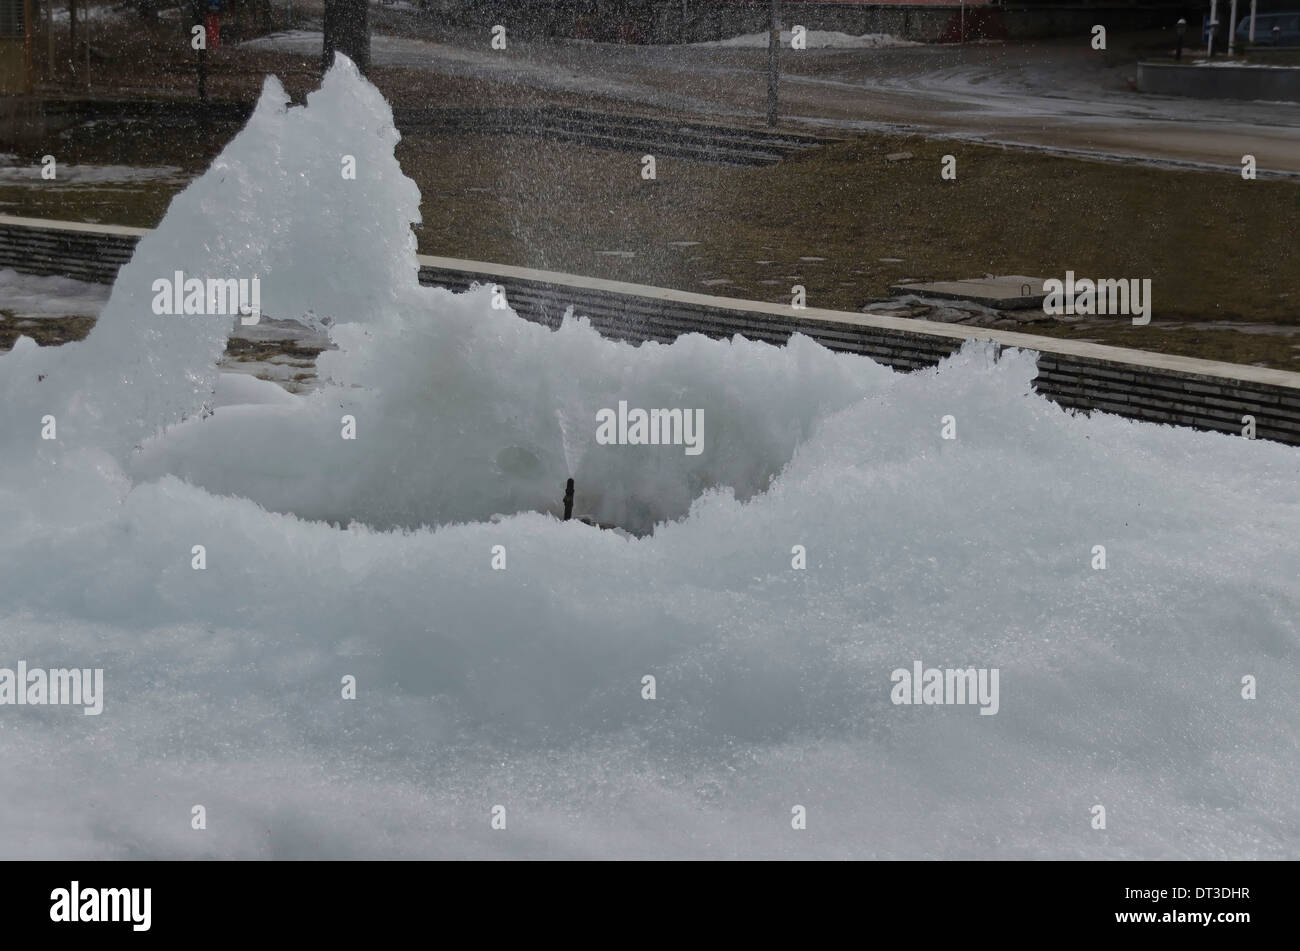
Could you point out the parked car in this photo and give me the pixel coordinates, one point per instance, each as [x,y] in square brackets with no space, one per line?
[1287,35]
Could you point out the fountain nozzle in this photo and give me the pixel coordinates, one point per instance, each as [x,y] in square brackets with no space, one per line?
[568,500]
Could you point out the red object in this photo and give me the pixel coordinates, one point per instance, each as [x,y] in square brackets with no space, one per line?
[212,26]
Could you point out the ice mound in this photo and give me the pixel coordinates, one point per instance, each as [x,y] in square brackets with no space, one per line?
[523,687]
[468,412]
[274,205]
[462,410]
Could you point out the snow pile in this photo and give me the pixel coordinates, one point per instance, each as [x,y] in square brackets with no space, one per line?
[523,687]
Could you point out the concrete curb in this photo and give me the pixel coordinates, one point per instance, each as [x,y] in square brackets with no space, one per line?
[1154,387]
[1254,83]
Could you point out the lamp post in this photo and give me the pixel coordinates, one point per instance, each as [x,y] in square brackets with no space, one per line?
[773,61]
[1179,30]
[203,77]
[1252,20]
[1232,29]
[1214,25]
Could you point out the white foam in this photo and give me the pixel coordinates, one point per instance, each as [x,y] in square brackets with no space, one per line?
[523,687]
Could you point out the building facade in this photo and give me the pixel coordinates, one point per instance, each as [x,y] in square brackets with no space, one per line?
[678,21]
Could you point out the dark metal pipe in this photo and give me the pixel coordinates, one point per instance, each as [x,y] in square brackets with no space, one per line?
[568,500]
[773,61]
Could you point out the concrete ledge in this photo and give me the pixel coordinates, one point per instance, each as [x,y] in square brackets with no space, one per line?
[1007,292]
[1155,387]
[1270,83]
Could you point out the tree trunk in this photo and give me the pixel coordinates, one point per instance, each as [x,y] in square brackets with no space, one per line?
[347,31]
[72,36]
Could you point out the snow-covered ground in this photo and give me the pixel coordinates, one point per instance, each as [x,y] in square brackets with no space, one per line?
[815,40]
[92,174]
[1240,64]
[327,558]
[1052,95]
[34,296]
[101,13]
[456,59]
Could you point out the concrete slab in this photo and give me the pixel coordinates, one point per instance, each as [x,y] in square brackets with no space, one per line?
[1006,292]
[1221,80]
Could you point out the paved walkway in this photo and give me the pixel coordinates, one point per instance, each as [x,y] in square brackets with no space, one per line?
[1054,95]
